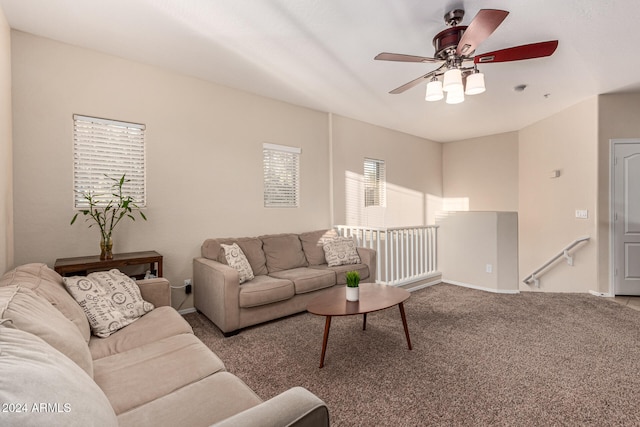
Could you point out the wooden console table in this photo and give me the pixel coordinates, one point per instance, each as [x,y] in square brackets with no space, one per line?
[83,265]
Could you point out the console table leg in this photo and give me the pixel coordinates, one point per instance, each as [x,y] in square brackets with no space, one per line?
[364,322]
[404,323]
[327,325]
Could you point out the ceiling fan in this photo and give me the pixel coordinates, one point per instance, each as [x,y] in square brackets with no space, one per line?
[455,46]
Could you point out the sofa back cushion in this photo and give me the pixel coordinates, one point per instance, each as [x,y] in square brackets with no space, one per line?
[48,284]
[283,252]
[312,243]
[32,313]
[50,389]
[251,247]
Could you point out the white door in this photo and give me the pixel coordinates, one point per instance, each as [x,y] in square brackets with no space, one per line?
[626,217]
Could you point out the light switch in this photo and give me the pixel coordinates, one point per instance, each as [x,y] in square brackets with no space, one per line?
[489,268]
[582,213]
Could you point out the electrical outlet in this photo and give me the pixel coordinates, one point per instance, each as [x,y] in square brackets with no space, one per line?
[489,268]
[187,286]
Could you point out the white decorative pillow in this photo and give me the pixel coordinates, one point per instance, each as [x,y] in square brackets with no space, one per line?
[341,251]
[236,259]
[110,299]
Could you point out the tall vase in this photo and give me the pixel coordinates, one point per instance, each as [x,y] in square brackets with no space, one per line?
[106,248]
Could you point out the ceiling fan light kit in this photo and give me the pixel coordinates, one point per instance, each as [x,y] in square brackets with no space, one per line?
[434,91]
[456,45]
[475,84]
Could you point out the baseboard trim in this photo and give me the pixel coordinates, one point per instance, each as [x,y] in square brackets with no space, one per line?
[482,288]
[187,311]
[600,294]
[424,285]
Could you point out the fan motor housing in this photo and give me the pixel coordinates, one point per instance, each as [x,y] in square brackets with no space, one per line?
[447,39]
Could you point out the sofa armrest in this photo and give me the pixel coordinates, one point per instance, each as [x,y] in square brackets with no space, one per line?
[156,291]
[216,293]
[368,257]
[296,407]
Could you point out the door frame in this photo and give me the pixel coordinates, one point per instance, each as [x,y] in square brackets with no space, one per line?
[612,238]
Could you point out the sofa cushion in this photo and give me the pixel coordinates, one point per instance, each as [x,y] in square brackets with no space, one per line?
[312,243]
[237,260]
[32,313]
[48,284]
[341,251]
[283,252]
[143,374]
[162,322]
[201,403]
[265,290]
[110,299]
[341,270]
[251,247]
[308,279]
[32,374]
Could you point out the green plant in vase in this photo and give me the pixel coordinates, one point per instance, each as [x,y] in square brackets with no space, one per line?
[352,288]
[353,279]
[106,215]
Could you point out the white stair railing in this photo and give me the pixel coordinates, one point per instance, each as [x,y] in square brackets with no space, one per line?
[564,253]
[404,254]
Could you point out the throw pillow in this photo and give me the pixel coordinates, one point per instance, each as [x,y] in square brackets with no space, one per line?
[341,251]
[110,299]
[236,259]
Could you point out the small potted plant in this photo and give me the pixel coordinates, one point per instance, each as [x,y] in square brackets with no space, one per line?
[353,282]
[106,215]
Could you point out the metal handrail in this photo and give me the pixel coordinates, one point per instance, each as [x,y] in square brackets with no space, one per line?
[563,253]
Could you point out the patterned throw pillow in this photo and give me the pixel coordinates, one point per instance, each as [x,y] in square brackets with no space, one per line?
[341,251]
[110,299]
[236,259]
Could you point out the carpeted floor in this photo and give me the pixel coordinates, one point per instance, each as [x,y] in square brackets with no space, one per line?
[478,358]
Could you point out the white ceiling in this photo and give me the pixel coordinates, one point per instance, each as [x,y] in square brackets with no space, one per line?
[319,53]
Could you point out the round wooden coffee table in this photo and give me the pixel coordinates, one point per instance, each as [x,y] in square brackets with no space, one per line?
[373,297]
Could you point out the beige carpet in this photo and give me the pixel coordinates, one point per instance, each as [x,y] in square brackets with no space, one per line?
[478,359]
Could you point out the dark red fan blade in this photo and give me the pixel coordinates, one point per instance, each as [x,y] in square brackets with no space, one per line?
[416,82]
[484,23]
[385,56]
[517,53]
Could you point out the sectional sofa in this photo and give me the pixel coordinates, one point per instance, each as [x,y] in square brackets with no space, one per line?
[152,372]
[288,270]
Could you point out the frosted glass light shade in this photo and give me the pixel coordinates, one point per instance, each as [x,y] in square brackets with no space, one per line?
[452,80]
[434,91]
[475,84]
[455,96]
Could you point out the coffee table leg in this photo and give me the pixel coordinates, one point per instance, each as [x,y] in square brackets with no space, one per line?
[404,323]
[327,325]
[364,322]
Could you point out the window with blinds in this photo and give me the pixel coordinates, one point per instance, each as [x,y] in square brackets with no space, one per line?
[105,149]
[281,176]
[374,183]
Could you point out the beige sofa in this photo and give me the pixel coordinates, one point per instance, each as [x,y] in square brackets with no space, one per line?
[290,270]
[153,372]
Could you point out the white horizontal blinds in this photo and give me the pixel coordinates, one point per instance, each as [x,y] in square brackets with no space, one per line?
[106,149]
[281,176]
[374,183]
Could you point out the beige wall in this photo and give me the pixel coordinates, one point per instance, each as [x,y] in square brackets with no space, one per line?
[413,174]
[6,149]
[618,117]
[483,172]
[204,156]
[568,142]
